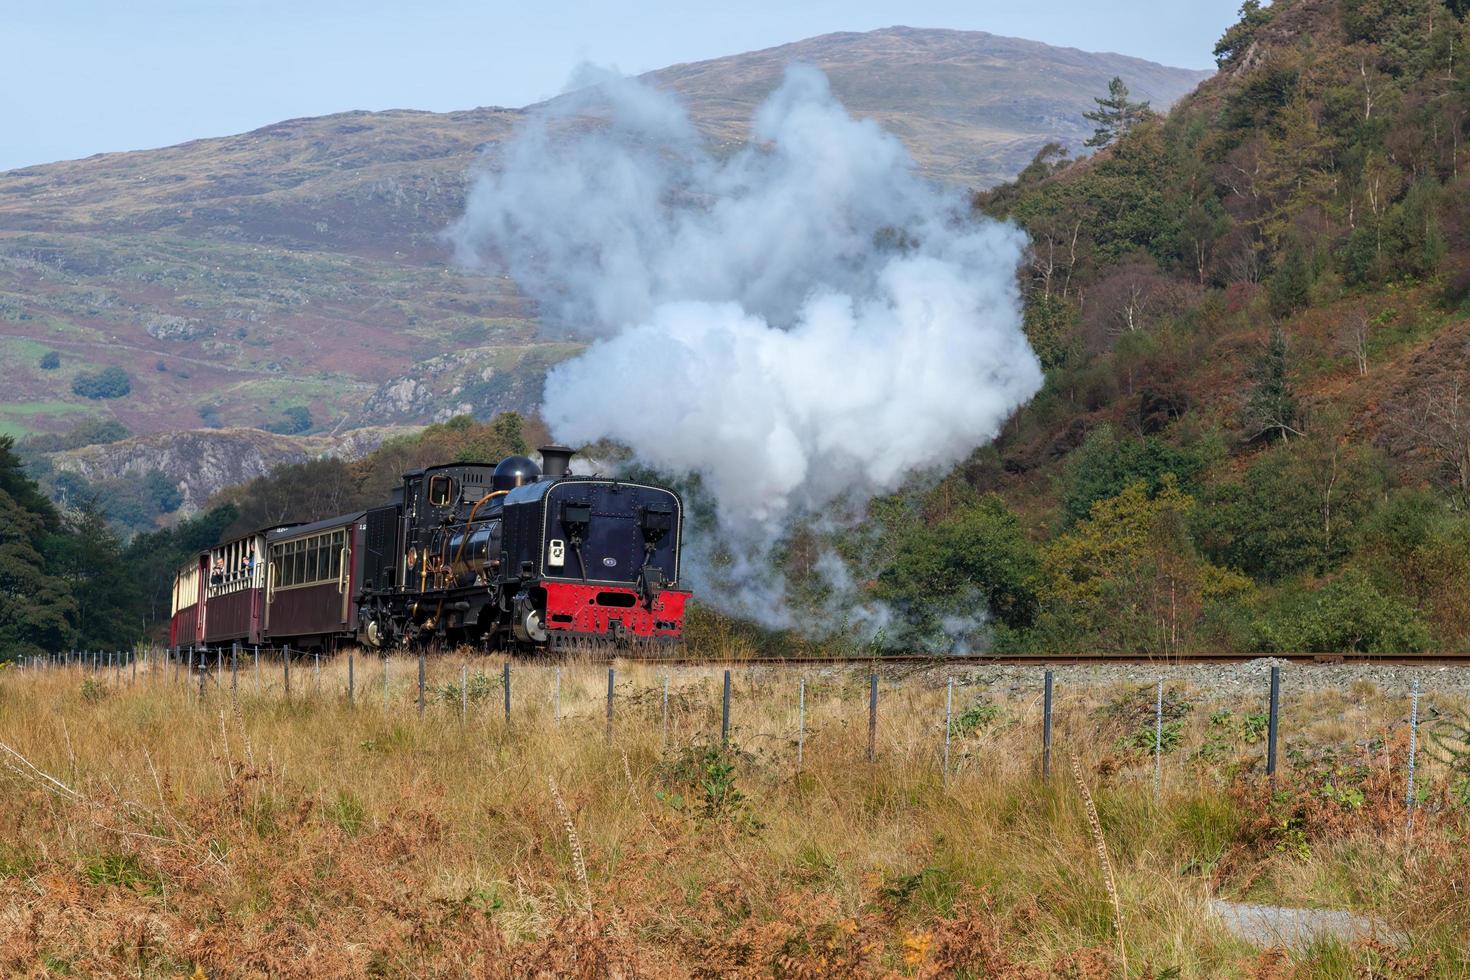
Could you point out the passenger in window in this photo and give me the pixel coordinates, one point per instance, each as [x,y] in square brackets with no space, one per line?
[218,574]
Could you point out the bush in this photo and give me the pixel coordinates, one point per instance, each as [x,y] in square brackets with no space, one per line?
[294,421]
[1106,465]
[1346,615]
[50,361]
[111,382]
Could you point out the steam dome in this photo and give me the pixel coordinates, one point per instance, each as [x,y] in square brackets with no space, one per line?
[514,471]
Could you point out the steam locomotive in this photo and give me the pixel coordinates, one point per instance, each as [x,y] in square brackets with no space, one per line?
[509,556]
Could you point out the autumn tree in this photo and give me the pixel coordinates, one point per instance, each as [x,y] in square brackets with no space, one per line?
[1129,577]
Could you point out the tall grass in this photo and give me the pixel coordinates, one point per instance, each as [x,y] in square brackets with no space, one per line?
[147,830]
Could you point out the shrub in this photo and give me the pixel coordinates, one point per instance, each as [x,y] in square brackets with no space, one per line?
[50,361]
[1348,614]
[110,382]
[294,421]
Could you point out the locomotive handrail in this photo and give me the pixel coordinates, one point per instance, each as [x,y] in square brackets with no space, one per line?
[342,572]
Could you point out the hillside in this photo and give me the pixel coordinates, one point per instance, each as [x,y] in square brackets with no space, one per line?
[1255,319]
[299,266]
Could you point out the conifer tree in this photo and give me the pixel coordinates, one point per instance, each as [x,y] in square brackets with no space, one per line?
[1272,406]
[1115,115]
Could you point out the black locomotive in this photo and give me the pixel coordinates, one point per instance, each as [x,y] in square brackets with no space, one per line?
[506,556]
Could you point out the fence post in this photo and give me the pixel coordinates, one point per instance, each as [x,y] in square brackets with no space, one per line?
[800,719]
[1413,748]
[219,665]
[134,666]
[316,672]
[948,715]
[117,668]
[664,738]
[725,712]
[1272,722]
[203,673]
[507,692]
[464,693]
[611,672]
[1158,739]
[421,683]
[872,716]
[350,680]
[1046,729]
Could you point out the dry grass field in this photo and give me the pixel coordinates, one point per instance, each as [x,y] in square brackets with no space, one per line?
[148,832]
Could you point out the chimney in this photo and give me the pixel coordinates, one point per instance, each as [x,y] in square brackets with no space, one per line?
[554,460]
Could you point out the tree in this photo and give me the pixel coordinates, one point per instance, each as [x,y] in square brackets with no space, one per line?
[37,611]
[1241,36]
[1271,407]
[1290,286]
[1106,465]
[981,552]
[1353,337]
[1128,577]
[1435,422]
[108,596]
[294,421]
[110,382]
[1115,115]
[1297,508]
[50,361]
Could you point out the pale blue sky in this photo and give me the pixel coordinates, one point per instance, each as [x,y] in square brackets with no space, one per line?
[87,76]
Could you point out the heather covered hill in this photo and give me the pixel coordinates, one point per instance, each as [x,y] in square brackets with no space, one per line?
[1255,319]
[299,266]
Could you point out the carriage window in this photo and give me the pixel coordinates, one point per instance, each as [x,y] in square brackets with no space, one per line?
[313,555]
[441,489]
[298,573]
[335,558]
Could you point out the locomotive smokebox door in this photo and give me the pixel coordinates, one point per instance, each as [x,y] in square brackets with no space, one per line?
[556,555]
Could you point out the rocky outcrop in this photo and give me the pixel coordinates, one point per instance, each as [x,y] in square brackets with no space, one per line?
[480,382]
[177,329]
[201,462]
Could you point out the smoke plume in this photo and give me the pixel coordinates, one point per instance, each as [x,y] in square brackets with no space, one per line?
[804,322]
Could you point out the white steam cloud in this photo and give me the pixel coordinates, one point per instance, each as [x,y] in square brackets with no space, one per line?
[802,322]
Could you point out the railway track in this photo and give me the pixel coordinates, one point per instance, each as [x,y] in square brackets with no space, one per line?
[1061,659]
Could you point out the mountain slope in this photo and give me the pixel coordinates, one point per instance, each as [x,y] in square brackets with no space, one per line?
[299,266]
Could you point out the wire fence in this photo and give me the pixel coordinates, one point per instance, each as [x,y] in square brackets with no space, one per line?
[684,704]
